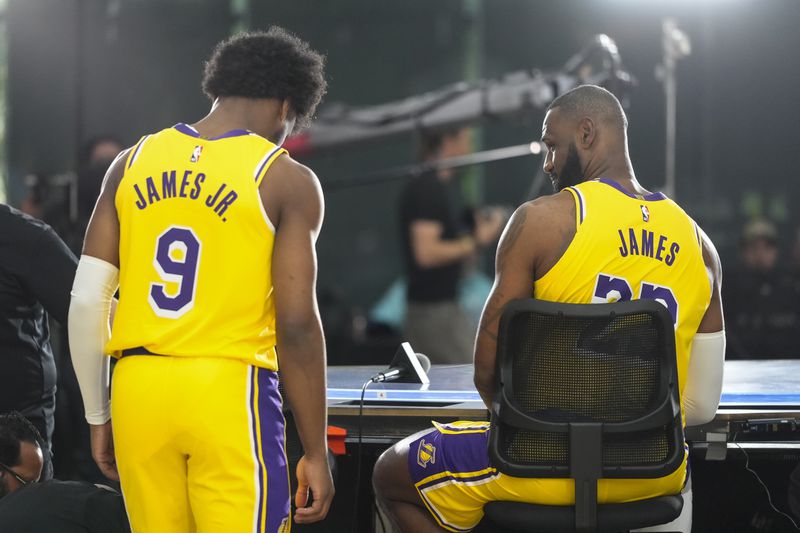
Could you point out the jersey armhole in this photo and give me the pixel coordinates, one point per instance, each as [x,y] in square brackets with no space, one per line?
[580,206]
[698,236]
[263,166]
[708,270]
[130,159]
[134,153]
[261,170]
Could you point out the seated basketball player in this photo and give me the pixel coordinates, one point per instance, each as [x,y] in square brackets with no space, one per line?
[209,230]
[607,238]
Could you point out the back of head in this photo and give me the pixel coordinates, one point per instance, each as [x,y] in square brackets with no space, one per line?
[268,64]
[594,102]
[15,429]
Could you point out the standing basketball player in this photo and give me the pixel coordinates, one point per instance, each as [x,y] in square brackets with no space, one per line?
[606,239]
[209,230]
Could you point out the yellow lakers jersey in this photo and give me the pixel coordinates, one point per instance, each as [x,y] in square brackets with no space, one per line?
[626,247]
[196,247]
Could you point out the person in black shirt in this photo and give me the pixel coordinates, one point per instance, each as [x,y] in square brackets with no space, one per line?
[63,506]
[36,274]
[437,245]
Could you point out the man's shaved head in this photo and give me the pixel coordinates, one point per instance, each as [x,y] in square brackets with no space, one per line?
[585,134]
[593,102]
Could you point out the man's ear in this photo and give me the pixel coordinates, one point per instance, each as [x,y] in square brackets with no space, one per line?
[587,132]
[284,113]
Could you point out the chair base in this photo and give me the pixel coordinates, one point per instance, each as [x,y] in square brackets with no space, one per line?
[611,518]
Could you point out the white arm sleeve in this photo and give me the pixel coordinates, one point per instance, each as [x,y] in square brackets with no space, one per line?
[704,378]
[94,287]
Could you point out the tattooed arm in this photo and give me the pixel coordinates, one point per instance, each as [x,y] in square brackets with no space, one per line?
[533,241]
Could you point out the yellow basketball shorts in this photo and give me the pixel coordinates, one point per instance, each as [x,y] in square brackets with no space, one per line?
[451,470]
[200,445]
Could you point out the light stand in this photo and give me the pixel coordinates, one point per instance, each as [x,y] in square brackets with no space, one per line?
[676,45]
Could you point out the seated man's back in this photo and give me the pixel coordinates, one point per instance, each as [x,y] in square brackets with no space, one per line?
[601,238]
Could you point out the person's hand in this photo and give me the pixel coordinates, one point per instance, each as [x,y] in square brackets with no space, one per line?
[489,224]
[313,474]
[103,449]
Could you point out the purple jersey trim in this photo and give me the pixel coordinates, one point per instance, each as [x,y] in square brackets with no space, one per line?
[139,350]
[188,130]
[266,160]
[654,197]
[232,133]
[580,202]
[136,152]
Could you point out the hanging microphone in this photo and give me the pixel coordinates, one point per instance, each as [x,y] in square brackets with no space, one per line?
[406,367]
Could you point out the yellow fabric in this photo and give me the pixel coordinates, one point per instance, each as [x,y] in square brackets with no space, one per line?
[610,217]
[183,198]
[457,505]
[189,439]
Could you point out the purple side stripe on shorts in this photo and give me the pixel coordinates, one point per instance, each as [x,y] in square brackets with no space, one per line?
[461,479]
[272,448]
[259,467]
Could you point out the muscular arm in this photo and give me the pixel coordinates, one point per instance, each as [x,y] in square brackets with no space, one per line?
[96,280]
[301,348]
[91,295]
[703,388]
[713,319]
[293,199]
[525,253]
[102,234]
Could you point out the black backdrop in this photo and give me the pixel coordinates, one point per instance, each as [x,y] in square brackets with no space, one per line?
[78,68]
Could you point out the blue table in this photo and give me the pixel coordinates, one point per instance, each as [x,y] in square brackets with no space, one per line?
[752,390]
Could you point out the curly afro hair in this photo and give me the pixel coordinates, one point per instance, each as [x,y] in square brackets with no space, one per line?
[268,64]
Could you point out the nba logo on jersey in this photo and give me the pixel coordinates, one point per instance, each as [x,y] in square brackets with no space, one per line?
[196,154]
[645,213]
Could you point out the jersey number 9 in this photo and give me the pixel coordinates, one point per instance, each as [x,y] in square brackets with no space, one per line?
[176,260]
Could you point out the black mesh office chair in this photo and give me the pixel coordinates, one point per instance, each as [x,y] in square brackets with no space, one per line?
[584,392]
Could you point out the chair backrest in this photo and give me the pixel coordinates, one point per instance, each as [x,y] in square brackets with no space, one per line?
[586,391]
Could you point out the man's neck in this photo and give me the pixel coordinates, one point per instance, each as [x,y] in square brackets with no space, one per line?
[620,171]
[226,115]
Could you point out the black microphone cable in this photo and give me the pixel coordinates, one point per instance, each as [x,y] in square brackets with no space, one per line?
[358,450]
[377,378]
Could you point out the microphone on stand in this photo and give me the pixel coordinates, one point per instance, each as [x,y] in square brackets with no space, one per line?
[406,367]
